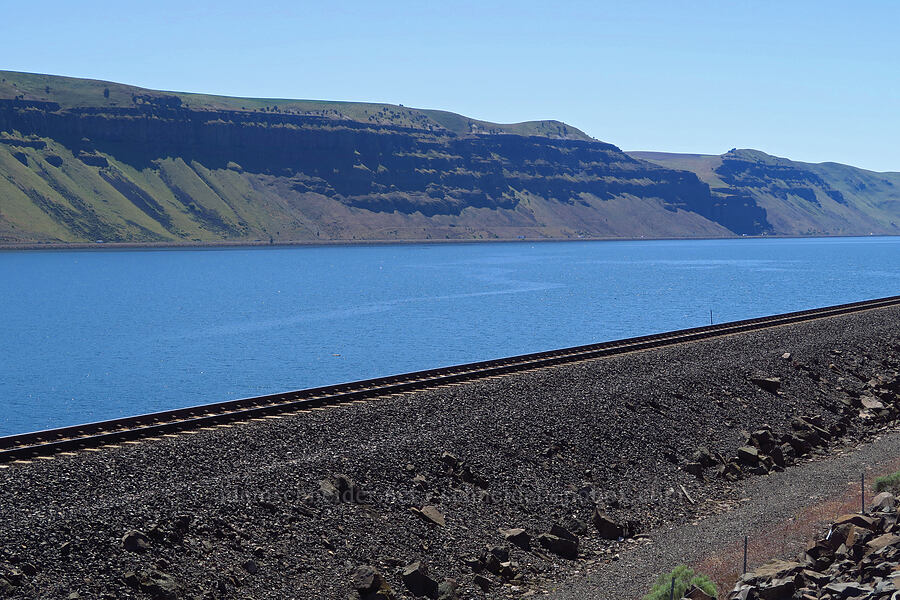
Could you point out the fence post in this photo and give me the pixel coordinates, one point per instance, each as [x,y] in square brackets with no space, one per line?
[672,589]
[862,492]
[746,539]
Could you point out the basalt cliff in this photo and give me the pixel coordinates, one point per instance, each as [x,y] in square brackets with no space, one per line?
[798,198]
[87,161]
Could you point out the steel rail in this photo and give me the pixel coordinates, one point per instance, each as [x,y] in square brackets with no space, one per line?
[113,431]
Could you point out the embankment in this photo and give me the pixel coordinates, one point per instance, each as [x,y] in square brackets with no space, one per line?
[291,507]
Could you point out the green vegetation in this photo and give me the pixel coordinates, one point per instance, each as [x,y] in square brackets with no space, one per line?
[167,167]
[70,92]
[888,483]
[685,578]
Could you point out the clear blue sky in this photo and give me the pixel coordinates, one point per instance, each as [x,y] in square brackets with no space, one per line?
[809,80]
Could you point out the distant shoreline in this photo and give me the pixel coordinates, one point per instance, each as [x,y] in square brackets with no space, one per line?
[57,246]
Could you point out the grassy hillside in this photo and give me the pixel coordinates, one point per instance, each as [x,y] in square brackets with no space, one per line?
[70,92]
[49,193]
[799,198]
[84,160]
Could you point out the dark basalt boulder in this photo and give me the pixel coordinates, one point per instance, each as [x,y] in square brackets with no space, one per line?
[370,585]
[560,541]
[770,384]
[606,527]
[417,580]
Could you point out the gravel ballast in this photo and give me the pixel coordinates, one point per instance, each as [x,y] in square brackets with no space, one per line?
[293,507]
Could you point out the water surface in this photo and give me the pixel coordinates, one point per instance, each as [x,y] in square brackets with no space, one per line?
[89,335]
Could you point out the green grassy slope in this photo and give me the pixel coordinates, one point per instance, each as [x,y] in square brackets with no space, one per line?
[84,160]
[70,92]
[175,201]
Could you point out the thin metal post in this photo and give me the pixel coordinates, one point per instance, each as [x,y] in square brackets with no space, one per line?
[746,539]
[862,492]
[672,590]
[710,317]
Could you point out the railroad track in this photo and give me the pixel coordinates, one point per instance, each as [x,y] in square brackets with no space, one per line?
[128,429]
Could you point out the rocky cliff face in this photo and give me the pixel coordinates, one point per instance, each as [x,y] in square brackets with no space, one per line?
[162,170]
[793,198]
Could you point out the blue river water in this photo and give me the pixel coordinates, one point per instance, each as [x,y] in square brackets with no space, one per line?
[90,335]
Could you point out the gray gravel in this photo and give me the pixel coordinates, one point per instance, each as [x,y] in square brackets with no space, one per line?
[550,444]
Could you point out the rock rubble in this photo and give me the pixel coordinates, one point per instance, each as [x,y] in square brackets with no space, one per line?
[859,557]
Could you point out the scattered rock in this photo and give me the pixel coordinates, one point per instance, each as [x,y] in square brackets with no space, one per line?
[518,537]
[370,585]
[882,541]
[777,589]
[560,541]
[466,475]
[131,579]
[451,460]
[417,581]
[694,468]
[778,458]
[432,514]
[489,562]
[251,567]
[606,526]
[476,564]
[135,541]
[329,492]
[462,471]
[748,455]
[483,582]
[848,590]
[770,384]
[704,457]
[763,439]
[500,552]
[871,403]
[159,585]
[348,490]
[858,520]
[13,575]
[695,593]
[884,502]
[731,471]
[341,488]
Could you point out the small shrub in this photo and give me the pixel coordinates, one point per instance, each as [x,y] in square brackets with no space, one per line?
[685,578]
[888,483]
